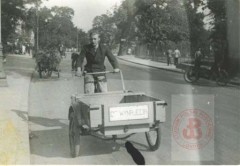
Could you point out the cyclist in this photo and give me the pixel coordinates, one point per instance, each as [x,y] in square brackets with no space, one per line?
[95,54]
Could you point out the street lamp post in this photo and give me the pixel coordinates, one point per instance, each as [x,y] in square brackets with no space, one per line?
[3,78]
[37,24]
[77,41]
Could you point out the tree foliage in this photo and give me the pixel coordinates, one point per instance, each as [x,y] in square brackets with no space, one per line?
[12,13]
[104,24]
[198,34]
[53,26]
[218,34]
[56,27]
[162,21]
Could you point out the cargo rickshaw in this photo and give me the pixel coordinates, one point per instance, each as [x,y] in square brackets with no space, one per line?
[115,115]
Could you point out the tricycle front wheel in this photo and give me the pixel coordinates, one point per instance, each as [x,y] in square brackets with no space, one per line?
[74,136]
[153,138]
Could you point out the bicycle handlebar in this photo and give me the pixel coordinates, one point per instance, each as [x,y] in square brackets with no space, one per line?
[95,73]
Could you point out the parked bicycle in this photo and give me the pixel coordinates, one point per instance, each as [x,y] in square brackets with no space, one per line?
[193,74]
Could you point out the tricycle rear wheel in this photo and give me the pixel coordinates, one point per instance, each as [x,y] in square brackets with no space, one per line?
[74,136]
[153,138]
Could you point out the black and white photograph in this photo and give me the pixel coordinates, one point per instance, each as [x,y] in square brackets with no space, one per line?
[119,82]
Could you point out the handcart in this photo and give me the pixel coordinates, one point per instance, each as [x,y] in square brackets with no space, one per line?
[47,63]
[114,116]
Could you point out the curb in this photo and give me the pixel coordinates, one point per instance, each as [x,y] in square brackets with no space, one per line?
[171,70]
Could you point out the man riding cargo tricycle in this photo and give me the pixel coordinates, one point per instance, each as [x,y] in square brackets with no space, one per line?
[110,115]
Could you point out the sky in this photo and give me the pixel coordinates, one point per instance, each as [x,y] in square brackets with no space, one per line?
[85,10]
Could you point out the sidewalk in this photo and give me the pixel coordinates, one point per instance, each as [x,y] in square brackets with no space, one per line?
[148,62]
[163,66]
[14,144]
[21,55]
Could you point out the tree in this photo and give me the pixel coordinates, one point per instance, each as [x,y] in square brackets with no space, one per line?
[82,38]
[125,15]
[153,22]
[161,23]
[56,27]
[12,13]
[218,34]
[198,35]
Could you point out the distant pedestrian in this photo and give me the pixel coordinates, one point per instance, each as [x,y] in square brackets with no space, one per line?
[198,58]
[74,58]
[4,58]
[62,50]
[169,55]
[28,49]
[23,49]
[129,51]
[177,55]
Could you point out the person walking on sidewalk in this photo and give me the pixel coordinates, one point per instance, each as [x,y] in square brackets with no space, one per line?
[95,54]
[169,56]
[177,55]
[198,58]
[62,50]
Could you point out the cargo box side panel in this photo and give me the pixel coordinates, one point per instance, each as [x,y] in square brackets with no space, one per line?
[95,115]
[138,98]
[160,111]
[83,115]
[116,130]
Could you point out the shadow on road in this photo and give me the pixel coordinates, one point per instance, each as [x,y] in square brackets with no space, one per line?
[19,73]
[53,78]
[49,138]
[23,115]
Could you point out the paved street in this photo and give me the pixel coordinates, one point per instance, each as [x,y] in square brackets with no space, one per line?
[49,100]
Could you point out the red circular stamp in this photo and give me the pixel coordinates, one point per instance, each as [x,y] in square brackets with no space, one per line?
[192,129]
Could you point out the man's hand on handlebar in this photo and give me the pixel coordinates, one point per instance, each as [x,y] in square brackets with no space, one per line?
[116,70]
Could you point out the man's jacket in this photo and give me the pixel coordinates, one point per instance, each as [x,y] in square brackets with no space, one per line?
[95,59]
